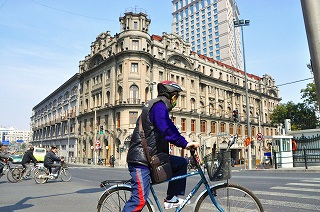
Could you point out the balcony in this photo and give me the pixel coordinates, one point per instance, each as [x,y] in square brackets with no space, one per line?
[133,101]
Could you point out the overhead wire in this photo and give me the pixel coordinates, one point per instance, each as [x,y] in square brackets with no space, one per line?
[3,4]
[72,13]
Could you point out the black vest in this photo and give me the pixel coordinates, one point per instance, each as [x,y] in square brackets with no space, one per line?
[155,141]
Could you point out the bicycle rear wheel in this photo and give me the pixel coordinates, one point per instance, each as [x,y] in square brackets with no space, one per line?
[115,198]
[40,176]
[230,197]
[65,175]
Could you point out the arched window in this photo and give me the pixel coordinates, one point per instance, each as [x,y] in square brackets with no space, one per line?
[134,93]
[193,104]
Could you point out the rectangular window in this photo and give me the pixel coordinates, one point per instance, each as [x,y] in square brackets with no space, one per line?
[213,127]
[133,116]
[160,76]
[135,45]
[118,120]
[134,67]
[193,125]
[231,129]
[173,119]
[135,25]
[239,130]
[222,127]
[203,126]
[183,125]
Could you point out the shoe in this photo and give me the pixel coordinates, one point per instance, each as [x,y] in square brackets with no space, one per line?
[55,175]
[173,202]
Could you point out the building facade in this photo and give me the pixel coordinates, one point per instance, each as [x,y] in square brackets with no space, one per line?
[121,73]
[54,119]
[208,26]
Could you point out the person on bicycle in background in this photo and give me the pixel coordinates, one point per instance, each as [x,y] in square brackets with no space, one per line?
[26,159]
[3,156]
[159,131]
[49,161]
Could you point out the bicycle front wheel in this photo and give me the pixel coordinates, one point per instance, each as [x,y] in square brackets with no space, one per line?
[65,175]
[230,197]
[115,198]
[14,175]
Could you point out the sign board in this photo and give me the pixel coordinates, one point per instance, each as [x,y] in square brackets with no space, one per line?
[97,144]
[220,134]
[259,137]
[247,142]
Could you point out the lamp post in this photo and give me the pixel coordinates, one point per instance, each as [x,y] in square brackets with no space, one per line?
[241,23]
[151,84]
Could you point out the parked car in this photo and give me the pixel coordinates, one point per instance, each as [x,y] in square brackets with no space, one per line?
[39,153]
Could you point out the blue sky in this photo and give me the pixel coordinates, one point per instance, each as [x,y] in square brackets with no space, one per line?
[42,42]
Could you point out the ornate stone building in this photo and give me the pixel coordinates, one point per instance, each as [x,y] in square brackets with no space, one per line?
[121,72]
[54,119]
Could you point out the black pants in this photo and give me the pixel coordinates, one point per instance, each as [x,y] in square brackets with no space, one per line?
[55,166]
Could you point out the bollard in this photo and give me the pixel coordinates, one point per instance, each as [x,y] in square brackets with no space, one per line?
[305,157]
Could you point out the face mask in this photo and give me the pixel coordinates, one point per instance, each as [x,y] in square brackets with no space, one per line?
[174,100]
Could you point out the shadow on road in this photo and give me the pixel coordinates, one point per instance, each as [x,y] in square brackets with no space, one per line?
[23,205]
[89,190]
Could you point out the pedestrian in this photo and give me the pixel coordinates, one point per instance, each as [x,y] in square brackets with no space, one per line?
[26,159]
[187,158]
[111,161]
[159,131]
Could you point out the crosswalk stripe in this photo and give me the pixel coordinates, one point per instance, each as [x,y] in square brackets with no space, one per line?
[282,194]
[304,184]
[291,204]
[296,189]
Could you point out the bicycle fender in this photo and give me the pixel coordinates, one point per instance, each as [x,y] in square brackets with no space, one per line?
[204,191]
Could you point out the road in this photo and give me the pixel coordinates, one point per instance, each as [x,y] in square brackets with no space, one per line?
[277,190]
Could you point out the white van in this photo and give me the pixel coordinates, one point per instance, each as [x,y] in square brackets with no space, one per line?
[39,153]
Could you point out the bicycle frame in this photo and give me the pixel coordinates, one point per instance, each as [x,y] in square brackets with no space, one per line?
[203,180]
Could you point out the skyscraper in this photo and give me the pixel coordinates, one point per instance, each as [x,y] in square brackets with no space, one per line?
[208,26]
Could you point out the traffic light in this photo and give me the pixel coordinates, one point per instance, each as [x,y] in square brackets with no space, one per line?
[235,115]
[101,129]
[252,144]
[118,149]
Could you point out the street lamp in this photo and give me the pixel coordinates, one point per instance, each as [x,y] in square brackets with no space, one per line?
[241,23]
[95,135]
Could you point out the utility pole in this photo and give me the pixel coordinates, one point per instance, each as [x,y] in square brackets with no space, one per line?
[311,15]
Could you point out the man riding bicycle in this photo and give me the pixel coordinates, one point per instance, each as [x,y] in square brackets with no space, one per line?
[3,156]
[26,159]
[49,161]
[159,131]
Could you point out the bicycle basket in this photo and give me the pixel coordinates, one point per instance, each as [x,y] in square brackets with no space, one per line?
[218,165]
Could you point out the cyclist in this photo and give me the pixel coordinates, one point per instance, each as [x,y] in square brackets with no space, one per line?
[3,155]
[26,159]
[159,131]
[49,161]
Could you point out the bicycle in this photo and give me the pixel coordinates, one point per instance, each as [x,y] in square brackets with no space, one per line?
[42,175]
[221,196]
[9,170]
[19,171]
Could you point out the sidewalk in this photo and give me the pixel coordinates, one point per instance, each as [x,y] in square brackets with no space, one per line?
[294,169]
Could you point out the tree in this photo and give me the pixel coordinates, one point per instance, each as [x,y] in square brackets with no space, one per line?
[309,95]
[302,116]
